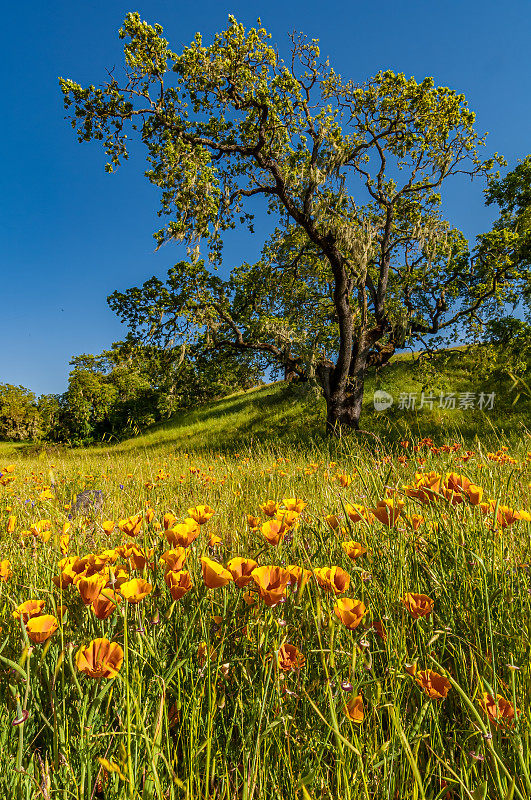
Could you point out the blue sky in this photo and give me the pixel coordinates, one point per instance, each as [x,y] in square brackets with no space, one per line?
[70,234]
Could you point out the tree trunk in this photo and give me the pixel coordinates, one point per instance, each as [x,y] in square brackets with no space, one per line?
[343,407]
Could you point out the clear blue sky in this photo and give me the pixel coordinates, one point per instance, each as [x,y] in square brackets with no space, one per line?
[70,234]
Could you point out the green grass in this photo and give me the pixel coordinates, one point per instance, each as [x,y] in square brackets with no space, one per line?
[173,724]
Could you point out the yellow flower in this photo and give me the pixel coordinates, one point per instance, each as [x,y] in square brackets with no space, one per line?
[135,590]
[28,609]
[270,508]
[132,525]
[418,605]
[201,514]
[41,628]
[11,524]
[105,604]
[214,575]
[271,582]
[433,684]
[353,549]
[294,504]
[5,570]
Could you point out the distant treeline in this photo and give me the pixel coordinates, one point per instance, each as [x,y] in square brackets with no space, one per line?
[122,391]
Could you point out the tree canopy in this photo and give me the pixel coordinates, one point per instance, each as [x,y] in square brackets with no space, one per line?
[360,260]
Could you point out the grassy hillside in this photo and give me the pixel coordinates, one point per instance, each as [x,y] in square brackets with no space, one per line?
[285,414]
[281,413]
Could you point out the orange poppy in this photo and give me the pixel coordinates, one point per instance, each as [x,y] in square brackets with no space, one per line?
[169,521]
[105,604]
[108,526]
[132,525]
[299,576]
[427,487]
[201,514]
[270,508]
[240,569]
[174,559]
[214,574]
[418,605]
[350,612]
[332,521]
[433,684]
[11,524]
[271,582]
[178,582]
[41,628]
[353,549]
[357,513]
[90,587]
[354,709]
[5,570]
[100,659]
[135,590]
[253,522]
[274,531]
[139,558]
[28,609]
[290,658]
[294,504]
[499,711]
[184,534]
[388,511]
[332,579]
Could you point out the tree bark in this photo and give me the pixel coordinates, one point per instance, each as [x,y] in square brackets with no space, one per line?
[343,407]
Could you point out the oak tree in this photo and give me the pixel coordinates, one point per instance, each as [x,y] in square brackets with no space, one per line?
[361,260]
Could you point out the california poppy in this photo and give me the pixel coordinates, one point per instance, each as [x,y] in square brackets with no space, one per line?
[41,628]
[270,508]
[290,658]
[132,525]
[184,534]
[28,609]
[274,531]
[178,582]
[240,569]
[174,559]
[388,511]
[333,579]
[100,659]
[105,604]
[90,587]
[350,612]
[294,504]
[433,684]
[135,590]
[5,570]
[418,605]
[354,709]
[214,575]
[201,514]
[271,582]
[299,576]
[353,549]
[499,711]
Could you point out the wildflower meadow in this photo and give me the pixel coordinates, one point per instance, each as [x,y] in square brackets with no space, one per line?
[262,625]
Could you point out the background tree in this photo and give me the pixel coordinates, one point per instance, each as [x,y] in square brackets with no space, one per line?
[19,415]
[352,173]
[125,389]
